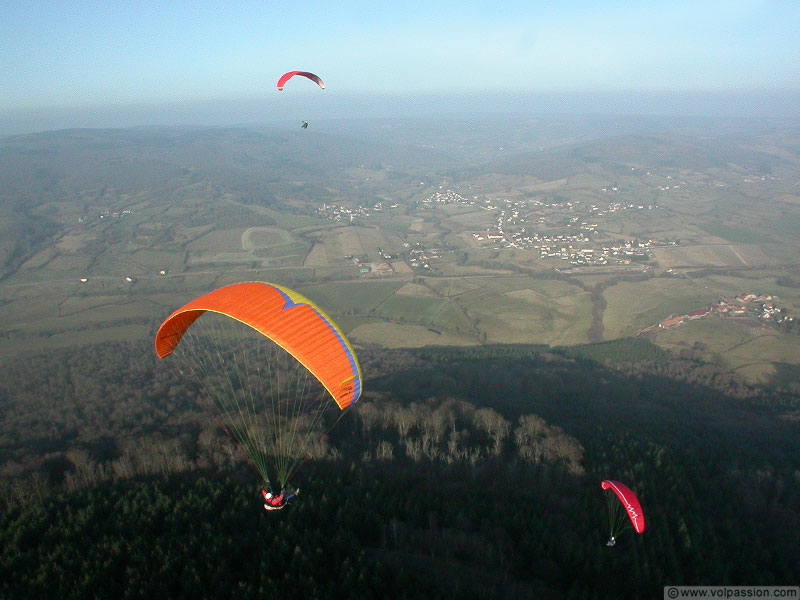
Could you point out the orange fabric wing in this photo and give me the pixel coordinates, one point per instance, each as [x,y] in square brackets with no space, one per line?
[290,320]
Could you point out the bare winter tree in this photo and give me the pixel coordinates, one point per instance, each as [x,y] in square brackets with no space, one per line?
[494,425]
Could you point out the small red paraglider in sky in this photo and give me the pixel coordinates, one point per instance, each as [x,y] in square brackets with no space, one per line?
[287,76]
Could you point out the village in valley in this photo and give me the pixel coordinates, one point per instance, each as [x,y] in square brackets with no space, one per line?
[545,228]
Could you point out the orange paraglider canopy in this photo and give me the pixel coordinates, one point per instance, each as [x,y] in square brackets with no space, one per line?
[287,318]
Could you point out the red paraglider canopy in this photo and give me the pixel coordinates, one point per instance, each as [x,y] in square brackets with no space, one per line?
[287,76]
[629,501]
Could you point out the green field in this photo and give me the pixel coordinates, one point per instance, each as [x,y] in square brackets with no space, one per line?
[264,237]
[358,298]
[392,335]
[412,309]
[746,346]
[523,310]
[158,260]
[736,234]
[632,307]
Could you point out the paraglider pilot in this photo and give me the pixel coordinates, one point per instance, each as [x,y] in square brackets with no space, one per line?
[611,541]
[272,502]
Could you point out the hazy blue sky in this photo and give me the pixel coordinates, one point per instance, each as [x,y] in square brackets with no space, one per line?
[62,54]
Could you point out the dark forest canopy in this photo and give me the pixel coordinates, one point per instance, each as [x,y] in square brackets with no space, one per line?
[469,472]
